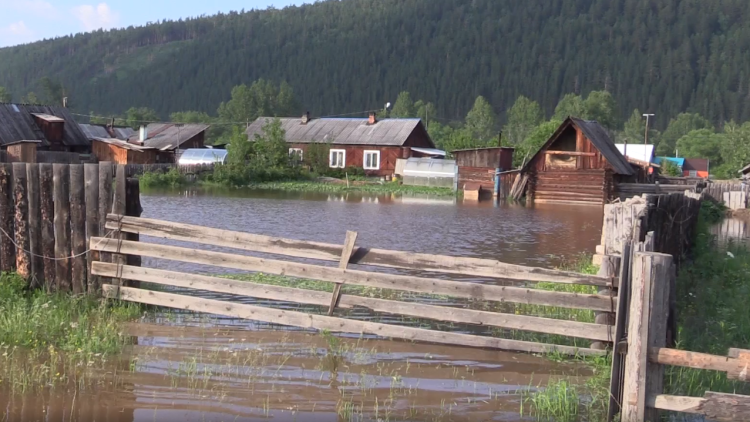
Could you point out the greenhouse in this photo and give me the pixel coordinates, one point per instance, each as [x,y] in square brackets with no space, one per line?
[430,172]
[203,156]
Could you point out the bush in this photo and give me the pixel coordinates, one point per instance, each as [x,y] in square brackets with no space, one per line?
[340,173]
[170,179]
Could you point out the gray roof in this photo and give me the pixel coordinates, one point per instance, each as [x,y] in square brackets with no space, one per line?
[100,132]
[166,136]
[17,123]
[342,131]
[601,140]
[123,132]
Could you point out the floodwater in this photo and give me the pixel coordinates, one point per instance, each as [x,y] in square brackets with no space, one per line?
[189,367]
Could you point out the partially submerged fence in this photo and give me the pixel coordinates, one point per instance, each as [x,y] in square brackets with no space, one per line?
[348,256]
[48,212]
[733,195]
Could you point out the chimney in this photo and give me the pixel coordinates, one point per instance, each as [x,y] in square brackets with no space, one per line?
[305,117]
[373,118]
[143,134]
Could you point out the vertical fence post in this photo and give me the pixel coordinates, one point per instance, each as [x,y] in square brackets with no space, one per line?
[46,193]
[78,228]
[608,268]
[133,209]
[35,225]
[619,348]
[119,208]
[346,254]
[91,177]
[647,328]
[21,221]
[61,188]
[105,205]
[7,250]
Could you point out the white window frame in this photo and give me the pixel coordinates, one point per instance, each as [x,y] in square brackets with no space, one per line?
[364,159]
[331,153]
[296,152]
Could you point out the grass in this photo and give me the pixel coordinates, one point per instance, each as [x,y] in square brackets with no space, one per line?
[375,188]
[47,338]
[169,179]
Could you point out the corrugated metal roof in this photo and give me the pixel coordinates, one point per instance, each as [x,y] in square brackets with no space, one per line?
[341,131]
[123,144]
[123,133]
[601,140]
[166,136]
[638,152]
[94,131]
[17,124]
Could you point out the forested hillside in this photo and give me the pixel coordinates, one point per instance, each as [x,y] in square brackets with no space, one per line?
[661,56]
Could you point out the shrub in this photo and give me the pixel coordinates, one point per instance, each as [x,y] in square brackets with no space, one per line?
[170,179]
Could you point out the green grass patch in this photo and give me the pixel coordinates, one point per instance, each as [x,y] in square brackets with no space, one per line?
[374,188]
[169,179]
[43,336]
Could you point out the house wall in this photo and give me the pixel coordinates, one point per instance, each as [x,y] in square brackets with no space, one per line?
[355,156]
[22,153]
[197,141]
[108,152]
[500,157]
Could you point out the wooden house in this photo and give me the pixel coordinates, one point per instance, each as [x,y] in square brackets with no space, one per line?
[122,152]
[371,144]
[54,128]
[22,151]
[578,164]
[167,139]
[477,166]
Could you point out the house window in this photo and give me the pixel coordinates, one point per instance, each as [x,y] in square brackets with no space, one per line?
[371,160]
[295,154]
[337,158]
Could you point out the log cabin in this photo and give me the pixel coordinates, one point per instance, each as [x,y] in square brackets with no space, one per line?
[579,164]
[368,143]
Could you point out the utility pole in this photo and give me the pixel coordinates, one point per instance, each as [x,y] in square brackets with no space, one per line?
[645,138]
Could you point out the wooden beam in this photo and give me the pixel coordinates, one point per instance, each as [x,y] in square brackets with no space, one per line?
[61,188]
[21,222]
[738,369]
[346,254]
[571,153]
[311,297]
[385,281]
[78,228]
[7,250]
[619,349]
[91,176]
[323,322]
[35,226]
[46,195]
[331,252]
[714,406]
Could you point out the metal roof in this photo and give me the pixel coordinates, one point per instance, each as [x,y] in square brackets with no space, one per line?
[166,136]
[342,131]
[123,144]
[429,151]
[677,160]
[644,153]
[94,131]
[123,133]
[17,123]
[48,117]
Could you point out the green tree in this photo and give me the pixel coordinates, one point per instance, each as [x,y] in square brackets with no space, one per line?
[404,106]
[523,117]
[461,139]
[316,157]
[440,135]
[30,98]
[426,111]
[670,168]
[190,117]
[677,128]
[601,106]
[571,105]
[52,91]
[270,148]
[481,121]
[140,116]
[5,96]
[635,128]
[238,148]
[536,138]
[702,143]
[735,150]
[262,98]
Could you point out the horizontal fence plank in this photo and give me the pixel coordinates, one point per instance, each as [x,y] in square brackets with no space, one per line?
[336,275]
[714,406]
[322,322]
[738,369]
[417,310]
[331,252]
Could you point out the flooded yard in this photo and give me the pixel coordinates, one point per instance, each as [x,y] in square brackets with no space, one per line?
[190,367]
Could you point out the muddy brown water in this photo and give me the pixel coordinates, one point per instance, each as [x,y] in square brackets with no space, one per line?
[206,368]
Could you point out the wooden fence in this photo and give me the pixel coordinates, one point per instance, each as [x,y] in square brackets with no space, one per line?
[733,195]
[47,214]
[629,190]
[349,257]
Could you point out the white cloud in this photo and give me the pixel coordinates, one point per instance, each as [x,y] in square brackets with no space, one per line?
[38,8]
[18,29]
[15,33]
[95,17]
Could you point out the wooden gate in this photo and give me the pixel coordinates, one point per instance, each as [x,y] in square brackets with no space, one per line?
[379,273]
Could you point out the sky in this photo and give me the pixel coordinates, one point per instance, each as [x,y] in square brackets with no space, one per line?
[24,21]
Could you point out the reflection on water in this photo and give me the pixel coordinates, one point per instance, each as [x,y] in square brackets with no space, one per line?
[731,231]
[539,236]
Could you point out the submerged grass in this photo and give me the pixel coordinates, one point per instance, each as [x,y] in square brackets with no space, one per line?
[379,188]
[42,336]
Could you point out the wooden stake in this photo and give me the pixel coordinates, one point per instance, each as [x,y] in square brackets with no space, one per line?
[91,176]
[346,254]
[21,222]
[619,349]
[46,193]
[61,188]
[7,250]
[35,226]
[78,228]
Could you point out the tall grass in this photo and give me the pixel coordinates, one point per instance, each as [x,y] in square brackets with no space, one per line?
[375,188]
[169,179]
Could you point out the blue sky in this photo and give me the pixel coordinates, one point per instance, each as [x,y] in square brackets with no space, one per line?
[23,21]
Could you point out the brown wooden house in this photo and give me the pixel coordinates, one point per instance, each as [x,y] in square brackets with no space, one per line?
[578,164]
[369,143]
[122,152]
[167,139]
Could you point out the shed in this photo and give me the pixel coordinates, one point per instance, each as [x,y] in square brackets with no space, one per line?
[121,152]
[480,165]
[22,151]
[579,164]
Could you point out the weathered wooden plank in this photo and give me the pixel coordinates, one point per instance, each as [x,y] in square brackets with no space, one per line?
[619,349]
[608,269]
[417,310]
[105,203]
[714,406]
[91,180]
[7,250]
[662,271]
[738,369]
[46,194]
[346,254]
[78,228]
[21,221]
[35,226]
[61,187]
[386,281]
[119,208]
[331,252]
[323,322]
